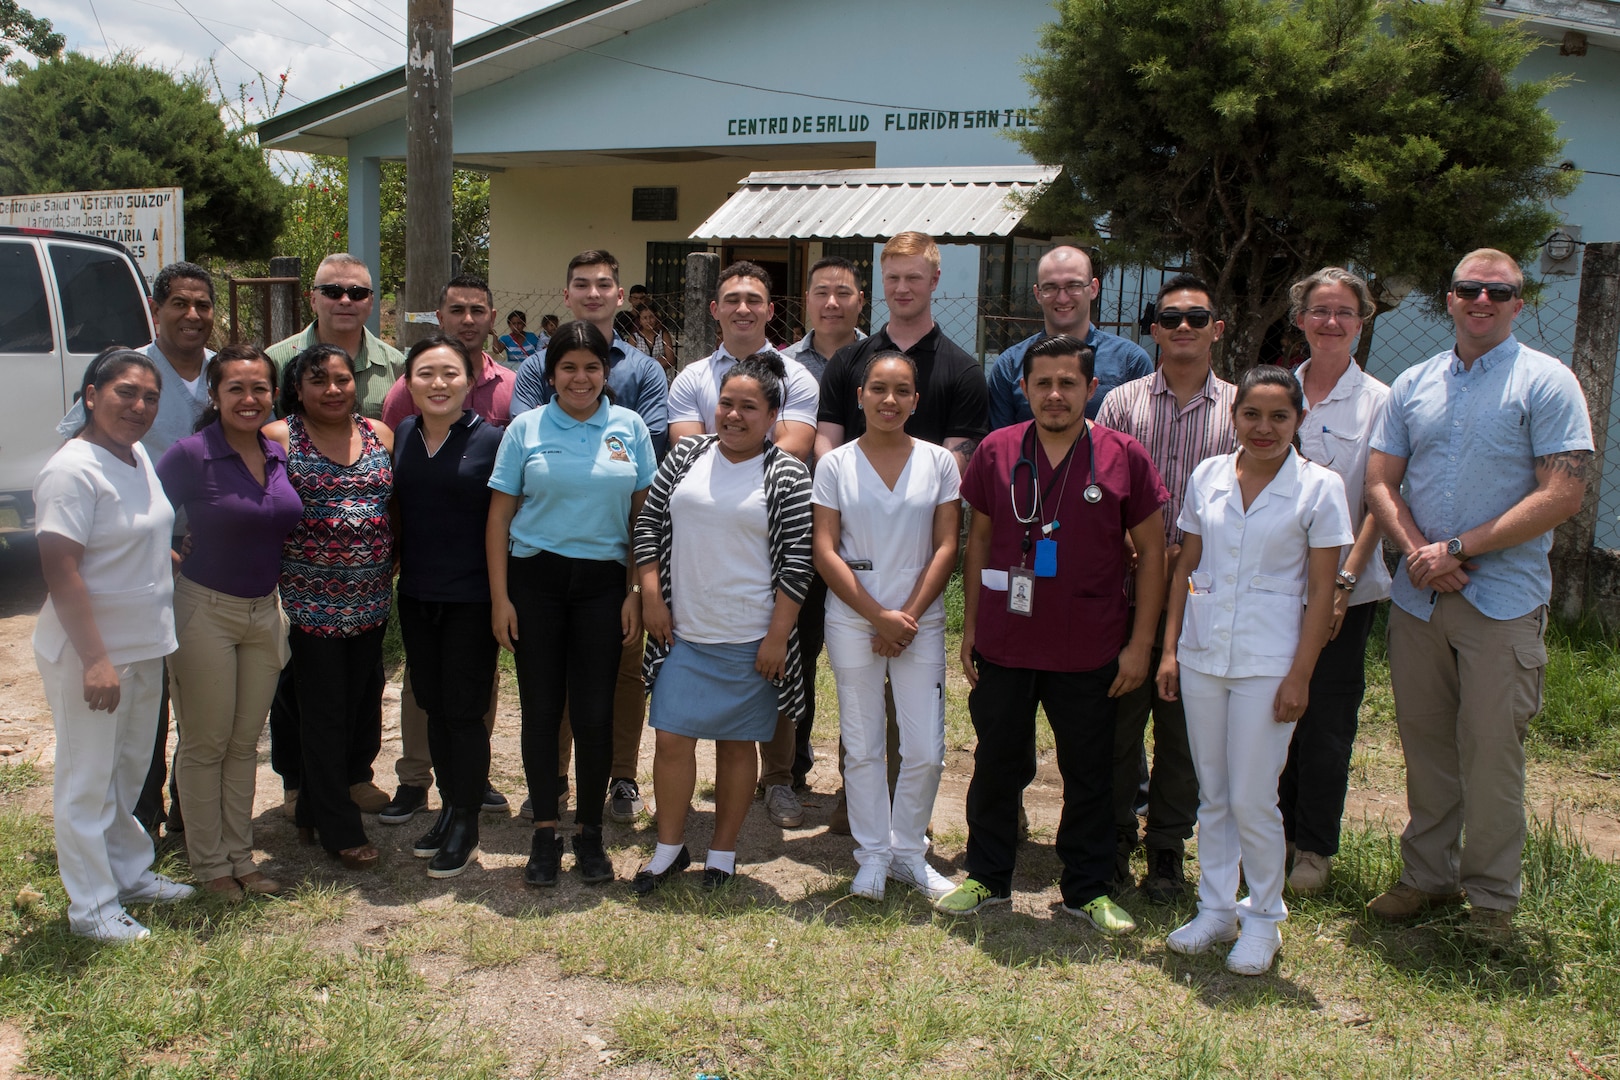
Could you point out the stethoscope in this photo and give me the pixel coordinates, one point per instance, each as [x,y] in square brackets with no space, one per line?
[1026,460]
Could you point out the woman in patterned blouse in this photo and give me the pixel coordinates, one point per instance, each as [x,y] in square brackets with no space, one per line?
[337,572]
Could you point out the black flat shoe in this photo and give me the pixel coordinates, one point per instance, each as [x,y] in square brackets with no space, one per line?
[590,859]
[645,881]
[428,844]
[714,879]
[545,861]
[459,846]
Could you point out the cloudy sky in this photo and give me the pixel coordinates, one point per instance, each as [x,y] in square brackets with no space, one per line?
[322,45]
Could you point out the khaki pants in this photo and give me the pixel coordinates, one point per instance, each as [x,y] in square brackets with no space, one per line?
[629,717]
[222,679]
[1465,688]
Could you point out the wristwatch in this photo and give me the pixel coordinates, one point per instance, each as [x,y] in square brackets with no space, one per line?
[1346,581]
[1454,548]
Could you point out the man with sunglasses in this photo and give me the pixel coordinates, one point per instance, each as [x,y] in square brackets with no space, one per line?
[341,299]
[1065,287]
[1182,413]
[1494,444]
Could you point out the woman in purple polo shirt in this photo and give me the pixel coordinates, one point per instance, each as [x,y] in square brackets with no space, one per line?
[232,483]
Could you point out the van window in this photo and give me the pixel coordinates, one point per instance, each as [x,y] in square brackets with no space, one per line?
[25,321]
[101,303]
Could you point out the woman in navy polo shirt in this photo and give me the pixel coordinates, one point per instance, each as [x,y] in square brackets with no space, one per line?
[442,462]
[568,482]
[232,482]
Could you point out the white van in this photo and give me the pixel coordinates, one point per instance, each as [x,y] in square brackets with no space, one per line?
[63,298]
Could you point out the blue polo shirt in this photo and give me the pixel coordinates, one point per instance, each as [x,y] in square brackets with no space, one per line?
[637,380]
[575,479]
[1118,361]
[1470,437]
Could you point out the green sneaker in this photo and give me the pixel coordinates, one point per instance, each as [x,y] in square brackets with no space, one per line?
[968,897]
[1105,915]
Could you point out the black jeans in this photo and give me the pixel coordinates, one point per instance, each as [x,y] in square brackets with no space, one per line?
[812,635]
[286,745]
[1082,718]
[568,649]
[1312,787]
[451,651]
[338,693]
[1173,782]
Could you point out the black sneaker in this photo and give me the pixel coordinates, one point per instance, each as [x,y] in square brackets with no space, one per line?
[590,859]
[408,801]
[1164,883]
[624,800]
[545,859]
[494,801]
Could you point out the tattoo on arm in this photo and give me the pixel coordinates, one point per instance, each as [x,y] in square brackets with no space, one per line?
[1572,463]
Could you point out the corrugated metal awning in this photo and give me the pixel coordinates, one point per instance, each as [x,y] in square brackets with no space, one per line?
[960,204]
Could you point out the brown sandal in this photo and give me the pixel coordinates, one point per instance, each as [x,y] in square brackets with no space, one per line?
[363,857]
[259,883]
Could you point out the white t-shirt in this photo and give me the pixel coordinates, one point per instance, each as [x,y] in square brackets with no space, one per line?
[695,393]
[720,556]
[1248,594]
[123,520]
[892,529]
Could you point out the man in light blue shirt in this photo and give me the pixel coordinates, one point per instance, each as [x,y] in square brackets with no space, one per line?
[1064,287]
[1493,442]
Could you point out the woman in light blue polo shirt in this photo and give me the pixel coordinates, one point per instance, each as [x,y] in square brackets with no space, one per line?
[569,480]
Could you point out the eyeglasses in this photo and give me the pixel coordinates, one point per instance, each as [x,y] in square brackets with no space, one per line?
[1322,314]
[1050,289]
[356,293]
[1499,292]
[1197,318]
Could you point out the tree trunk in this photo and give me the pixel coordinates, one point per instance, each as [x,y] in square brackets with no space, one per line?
[1597,337]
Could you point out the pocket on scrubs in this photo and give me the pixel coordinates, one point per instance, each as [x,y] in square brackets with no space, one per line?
[1196,620]
[1278,605]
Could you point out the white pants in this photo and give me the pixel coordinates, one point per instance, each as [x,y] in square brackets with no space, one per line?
[1239,752]
[101,764]
[884,832]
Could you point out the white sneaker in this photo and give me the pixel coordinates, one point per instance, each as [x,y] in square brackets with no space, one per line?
[1206,929]
[869,881]
[782,806]
[117,927]
[157,890]
[1255,949]
[922,877]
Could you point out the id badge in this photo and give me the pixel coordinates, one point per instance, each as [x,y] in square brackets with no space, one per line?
[1020,591]
[1046,558]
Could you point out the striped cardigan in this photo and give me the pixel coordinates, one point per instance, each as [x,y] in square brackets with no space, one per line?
[787,516]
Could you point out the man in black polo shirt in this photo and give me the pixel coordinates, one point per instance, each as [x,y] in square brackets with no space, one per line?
[953,409]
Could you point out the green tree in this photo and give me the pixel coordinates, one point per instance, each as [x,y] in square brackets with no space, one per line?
[1254,141]
[77,124]
[20,29]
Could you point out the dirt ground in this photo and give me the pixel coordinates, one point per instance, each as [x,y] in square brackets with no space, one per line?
[541,1018]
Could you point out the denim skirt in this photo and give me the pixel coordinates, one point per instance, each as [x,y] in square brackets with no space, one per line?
[713,692]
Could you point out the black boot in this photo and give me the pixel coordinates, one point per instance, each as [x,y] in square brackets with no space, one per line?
[589,859]
[459,846]
[545,859]
[428,845]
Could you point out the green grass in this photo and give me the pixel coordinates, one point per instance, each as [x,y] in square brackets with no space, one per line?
[17,777]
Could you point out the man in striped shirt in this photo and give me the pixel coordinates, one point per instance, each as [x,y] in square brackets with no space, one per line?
[1182,413]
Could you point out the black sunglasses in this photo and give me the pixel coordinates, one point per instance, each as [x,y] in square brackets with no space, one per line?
[356,293]
[1197,318]
[1499,292]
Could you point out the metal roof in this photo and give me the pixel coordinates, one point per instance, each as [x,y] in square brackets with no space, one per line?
[947,203]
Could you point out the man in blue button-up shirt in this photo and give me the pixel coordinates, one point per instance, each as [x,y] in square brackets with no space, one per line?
[1494,442]
[1064,287]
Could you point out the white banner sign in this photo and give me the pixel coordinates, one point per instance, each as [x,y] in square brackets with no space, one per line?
[150,222]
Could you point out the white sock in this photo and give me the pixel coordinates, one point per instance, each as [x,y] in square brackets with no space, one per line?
[663,858]
[721,860]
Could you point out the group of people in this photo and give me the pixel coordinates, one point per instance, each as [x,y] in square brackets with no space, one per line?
[1143,543]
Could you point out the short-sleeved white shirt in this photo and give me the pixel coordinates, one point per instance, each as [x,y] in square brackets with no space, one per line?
[1337,433]
[720,552]
[892,529]
[124,522]
[695,393]
[1248,602]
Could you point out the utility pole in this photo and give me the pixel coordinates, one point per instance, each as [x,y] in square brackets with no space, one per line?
[429,162]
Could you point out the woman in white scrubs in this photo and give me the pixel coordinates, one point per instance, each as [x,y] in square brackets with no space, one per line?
[104,525]
[887,514]
[1263,532]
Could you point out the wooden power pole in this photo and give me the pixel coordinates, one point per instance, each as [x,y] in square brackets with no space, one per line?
[429,161]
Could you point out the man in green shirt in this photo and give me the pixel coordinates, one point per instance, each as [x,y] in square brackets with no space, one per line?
[341,298]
